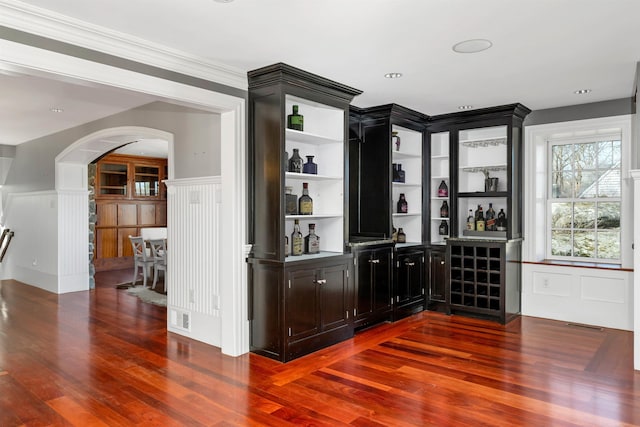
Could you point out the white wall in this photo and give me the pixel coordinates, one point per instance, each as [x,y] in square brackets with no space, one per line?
[602,297]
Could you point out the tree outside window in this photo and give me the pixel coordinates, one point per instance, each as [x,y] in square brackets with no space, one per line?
[585,201]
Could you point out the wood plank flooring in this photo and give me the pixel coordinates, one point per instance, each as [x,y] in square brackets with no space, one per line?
[104,358]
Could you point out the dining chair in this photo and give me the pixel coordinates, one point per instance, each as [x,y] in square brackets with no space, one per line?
[159,251]
[141,259]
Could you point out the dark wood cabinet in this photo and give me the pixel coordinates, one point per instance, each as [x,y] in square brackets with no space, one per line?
[437,272]
[298,303]
[478,154]
[484,278]
[410,284]
[373,294]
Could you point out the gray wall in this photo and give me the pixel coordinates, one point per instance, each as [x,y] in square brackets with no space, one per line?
[196,144]
[615,107]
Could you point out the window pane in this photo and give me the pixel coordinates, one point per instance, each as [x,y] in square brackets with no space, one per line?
[609,183]
[609,244]
[608,215]
[584,215]
[561,215]
[605,154]
[561,158]
[585,156]
[562,185]
[561,243]
[586,183]
[616,152]
[584,244]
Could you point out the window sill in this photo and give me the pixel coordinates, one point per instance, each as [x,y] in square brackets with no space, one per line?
[578,264]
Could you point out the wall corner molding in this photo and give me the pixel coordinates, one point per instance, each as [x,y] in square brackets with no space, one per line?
[45,23]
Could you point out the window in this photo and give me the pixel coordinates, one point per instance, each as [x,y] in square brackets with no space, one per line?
[584,203]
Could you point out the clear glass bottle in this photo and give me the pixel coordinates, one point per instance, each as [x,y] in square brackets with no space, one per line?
[310,167]
[403,206]
[295,162]
[443,189]
[402,238]
[286,246]
[305,202]
[295,121]
[297,241]
[444,209]
[312,241]
[443,230]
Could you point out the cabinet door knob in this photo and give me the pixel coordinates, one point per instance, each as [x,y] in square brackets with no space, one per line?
[409,264]
[321,281]
[442,262]
[374,261]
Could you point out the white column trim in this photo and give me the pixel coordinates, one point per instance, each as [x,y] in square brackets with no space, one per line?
[635,175]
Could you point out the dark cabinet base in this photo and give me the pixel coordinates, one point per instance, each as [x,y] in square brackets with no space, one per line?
[410,271]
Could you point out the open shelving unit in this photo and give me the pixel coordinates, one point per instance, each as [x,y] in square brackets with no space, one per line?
[439,162]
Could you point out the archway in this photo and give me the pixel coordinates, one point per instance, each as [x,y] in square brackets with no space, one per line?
[72,183]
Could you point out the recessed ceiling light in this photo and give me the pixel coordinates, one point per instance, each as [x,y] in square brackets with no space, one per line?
[393,75]
[472,46]
[465,107]
[582,91]
[56,110]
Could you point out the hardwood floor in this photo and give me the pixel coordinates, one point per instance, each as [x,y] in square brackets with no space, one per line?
[104,358]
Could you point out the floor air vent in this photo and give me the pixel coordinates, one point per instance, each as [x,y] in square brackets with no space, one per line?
[580,325]
[180,319]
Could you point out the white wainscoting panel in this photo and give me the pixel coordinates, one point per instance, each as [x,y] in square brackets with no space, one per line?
[580,295]
[73,241]
[193,254]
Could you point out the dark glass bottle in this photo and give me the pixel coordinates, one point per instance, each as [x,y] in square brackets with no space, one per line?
[501,222]
[394,172]
[295,121]
[305,202]
[295,162]
[310,167]
[290,202]
[490,219]
[444,209]
[403,206]
[402,238]
[312,241]
[297,241]
[400,173]
[443,189]
[479,219]
[443,230]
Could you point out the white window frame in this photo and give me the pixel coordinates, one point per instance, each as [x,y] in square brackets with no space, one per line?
[537,243]
[599,136]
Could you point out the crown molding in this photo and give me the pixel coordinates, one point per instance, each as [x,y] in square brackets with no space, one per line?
[45,23]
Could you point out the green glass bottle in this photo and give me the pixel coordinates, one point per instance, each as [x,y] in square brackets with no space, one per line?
[295,121]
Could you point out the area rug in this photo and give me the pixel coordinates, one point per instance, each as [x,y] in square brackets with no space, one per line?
[148,295]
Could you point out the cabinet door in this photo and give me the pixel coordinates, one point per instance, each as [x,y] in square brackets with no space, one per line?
[437,276]
[364,284]
[334,296]
[410,282]
[382,281]
[302,304]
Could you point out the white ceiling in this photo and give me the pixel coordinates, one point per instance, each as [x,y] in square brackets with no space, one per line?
[543,50]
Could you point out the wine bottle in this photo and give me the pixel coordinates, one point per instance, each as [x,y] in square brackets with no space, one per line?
[443,189]
[310,167]
[471,221]
[312,241]
[480,219]
[295,162]
[305,202]
[295,121]
[444,209]
[402,238]
[297,241]
[490,222]
[443,230]
[403,206]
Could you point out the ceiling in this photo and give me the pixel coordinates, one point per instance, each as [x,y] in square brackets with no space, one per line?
[542,51]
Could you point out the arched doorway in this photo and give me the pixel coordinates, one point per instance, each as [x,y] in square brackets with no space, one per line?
[71,172]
